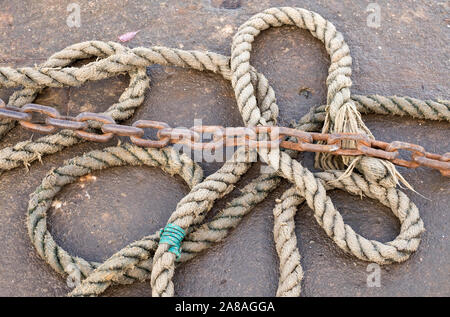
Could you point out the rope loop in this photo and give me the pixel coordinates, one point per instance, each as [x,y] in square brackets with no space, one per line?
[168,159]
[172,235]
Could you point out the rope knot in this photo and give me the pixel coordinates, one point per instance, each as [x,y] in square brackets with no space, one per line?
[172,235]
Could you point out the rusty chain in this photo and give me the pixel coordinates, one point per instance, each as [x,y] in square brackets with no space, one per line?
[224,136]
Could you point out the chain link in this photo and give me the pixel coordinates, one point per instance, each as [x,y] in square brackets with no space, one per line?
[253,137]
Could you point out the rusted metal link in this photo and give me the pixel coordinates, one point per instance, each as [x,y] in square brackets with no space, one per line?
[44,110]
[275,138]
[66,122]
[347,144]
[148,124]
[91,136]
[122,130]
[12,113]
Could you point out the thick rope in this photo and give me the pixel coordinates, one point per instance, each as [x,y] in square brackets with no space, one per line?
[125,61]
[222,179]
[266,98]
[291,272]
[125,266]
[307,185]
[191,210]
[130,99]
[23,153]
[341,115]
[393,105]
[120,267]
[340,110]
[256,102]
[384,105]
[40,202]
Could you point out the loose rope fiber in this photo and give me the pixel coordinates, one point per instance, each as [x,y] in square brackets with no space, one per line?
[216,185]
[146,258]
[341,115]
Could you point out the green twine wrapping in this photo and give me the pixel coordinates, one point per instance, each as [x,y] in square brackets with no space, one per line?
[172,235]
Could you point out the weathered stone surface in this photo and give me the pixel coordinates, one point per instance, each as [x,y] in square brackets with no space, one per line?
[407,55]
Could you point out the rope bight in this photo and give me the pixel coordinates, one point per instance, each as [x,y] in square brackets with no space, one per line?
[154,257]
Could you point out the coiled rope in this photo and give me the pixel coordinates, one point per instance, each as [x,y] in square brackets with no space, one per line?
[146,259]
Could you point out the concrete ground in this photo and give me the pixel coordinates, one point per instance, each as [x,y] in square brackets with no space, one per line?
[407,55]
